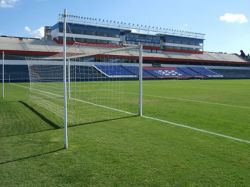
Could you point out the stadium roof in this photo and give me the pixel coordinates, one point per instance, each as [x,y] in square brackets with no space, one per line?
[24,46]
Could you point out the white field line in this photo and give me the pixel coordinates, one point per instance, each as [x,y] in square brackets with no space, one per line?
[199,101]
[189,100]
[44,92]
[156,119]
[197,129]
[106,107]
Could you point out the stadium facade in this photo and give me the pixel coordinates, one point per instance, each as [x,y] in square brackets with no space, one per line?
[98,31]
[165,50]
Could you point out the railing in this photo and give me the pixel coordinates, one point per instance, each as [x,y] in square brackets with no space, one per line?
[130,26]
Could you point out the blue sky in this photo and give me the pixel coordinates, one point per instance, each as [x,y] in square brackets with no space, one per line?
[226,23]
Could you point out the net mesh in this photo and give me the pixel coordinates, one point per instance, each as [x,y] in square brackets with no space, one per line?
[101,86]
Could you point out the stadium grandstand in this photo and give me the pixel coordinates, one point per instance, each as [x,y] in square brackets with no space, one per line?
[167,53]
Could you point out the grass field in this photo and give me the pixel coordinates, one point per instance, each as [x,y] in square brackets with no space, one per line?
[193,133]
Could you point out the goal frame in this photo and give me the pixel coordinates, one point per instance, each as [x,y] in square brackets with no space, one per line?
[66,79]
[3,76]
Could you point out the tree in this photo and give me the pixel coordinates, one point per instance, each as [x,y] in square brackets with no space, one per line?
[242,54]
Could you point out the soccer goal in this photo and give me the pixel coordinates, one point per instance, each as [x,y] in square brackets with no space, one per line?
[102,84]
[88,84]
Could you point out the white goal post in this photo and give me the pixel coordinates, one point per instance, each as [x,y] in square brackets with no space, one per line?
[3,76]
[65,81]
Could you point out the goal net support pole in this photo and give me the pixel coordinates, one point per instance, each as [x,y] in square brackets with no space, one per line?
[65,82]
[69,81]
[140,78]
[3,73]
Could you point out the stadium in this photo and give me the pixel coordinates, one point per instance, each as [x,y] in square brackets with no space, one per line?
[168,53]
[106,103]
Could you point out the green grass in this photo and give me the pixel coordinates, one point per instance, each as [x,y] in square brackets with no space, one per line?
[108,148]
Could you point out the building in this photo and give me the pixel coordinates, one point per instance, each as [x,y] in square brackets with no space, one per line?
[98,31]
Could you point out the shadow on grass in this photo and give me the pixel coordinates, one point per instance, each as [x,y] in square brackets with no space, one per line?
[60,149]
[56,127]
[26,133]
[100,121]
[51,124]
[31,156]
[41,116]
[7,101]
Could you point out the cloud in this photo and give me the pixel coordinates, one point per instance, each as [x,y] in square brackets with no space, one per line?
[234,18]
[27,29]
[7,3]
[37,33]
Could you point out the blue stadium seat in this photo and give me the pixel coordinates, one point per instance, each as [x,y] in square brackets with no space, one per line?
[115,71]
[133,69]
[188,72]
[233,73]
[205,72]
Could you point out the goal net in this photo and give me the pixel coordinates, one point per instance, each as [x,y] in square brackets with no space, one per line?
[102,84]
[46,88]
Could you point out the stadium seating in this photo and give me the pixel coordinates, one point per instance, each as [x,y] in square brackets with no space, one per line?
[163,72]
[135,71]
[189,73]
[114,71]
[233,73]
[205,72]
[148,74]
[20,73]
[132,69]
[156,72]
[89,73]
